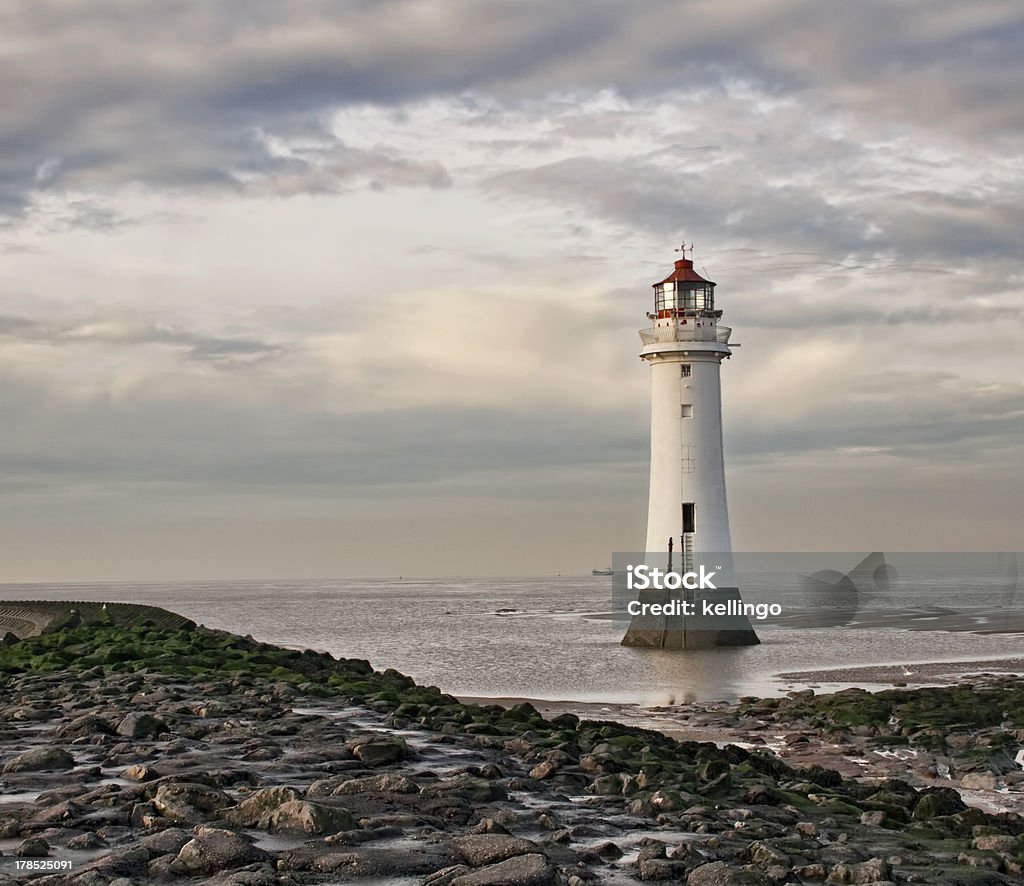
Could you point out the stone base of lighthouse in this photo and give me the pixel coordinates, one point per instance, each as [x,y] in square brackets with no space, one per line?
[696,631]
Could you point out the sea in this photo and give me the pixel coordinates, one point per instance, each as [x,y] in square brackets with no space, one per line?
[549,638]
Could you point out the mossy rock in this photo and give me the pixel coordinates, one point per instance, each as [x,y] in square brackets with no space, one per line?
[819,775]
[709,770]
[836,806]
[523,712]
[937,802]
[891,740]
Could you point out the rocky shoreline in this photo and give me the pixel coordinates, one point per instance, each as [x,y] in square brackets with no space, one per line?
[156,753]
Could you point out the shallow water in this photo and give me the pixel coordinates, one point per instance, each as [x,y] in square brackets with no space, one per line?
[532,637]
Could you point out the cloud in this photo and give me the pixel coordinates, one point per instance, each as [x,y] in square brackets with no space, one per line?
[372,260]
[177,99]
[221,351]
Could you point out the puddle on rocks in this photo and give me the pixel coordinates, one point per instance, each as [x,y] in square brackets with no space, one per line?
[19,797]
[377,881]
[77,857]
[629,843]
[23,797]
[431,755]
[993,801]
[275,842]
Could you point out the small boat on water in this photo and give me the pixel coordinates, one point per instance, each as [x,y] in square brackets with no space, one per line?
[608,571]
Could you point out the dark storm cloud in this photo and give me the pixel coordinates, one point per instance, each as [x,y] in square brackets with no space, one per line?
[171,94]
[650,198]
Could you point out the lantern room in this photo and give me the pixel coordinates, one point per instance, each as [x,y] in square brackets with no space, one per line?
[684,293]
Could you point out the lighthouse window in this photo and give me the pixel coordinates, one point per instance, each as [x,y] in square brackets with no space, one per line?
[665,297]
[687,410]
[687,296]
[685,370]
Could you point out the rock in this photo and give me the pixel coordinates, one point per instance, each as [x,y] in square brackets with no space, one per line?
[322,788]
[33,847]
[378,750]
[718,873]
[122,863]
[188,802]
[480,849]
[139,724]
[875,817]
[608,851]
[763,795]
[544,770]
[214,849]
[166,842]
[252,875]
[262,755]
[386,783]
[144,815]
[488,826]
[29,714]
[63,814]
[163,869]
[669,801]
[654,869]
[475,790]
[88,840]
[873,871]
[979,781]
[996,843]
[974,858]
[938,801]
[523,870]
[139,772]
[606,785]
[764,854]
[258,805]
[713,768]
[651,849]
[89,724]
[305,817]
[445,876]
[41,760]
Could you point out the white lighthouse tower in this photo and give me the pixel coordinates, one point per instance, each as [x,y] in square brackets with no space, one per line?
[687,512]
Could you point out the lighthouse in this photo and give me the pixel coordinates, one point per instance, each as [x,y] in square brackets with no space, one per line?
[687,512]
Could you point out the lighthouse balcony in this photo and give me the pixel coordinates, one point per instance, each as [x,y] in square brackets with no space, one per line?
[676,332]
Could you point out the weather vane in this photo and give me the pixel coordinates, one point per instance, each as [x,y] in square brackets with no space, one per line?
[683,247]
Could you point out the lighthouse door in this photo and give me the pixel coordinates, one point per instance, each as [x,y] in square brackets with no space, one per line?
[688,517]
[689,526]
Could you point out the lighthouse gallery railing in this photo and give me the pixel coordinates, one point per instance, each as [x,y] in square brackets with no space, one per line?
[651,335]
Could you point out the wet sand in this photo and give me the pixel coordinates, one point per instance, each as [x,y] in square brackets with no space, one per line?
[872,676]
[929,673]
[709,721]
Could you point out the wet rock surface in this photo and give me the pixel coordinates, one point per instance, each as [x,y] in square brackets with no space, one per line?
[156,755]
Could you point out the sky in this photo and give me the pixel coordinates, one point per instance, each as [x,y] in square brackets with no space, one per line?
[313,288]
